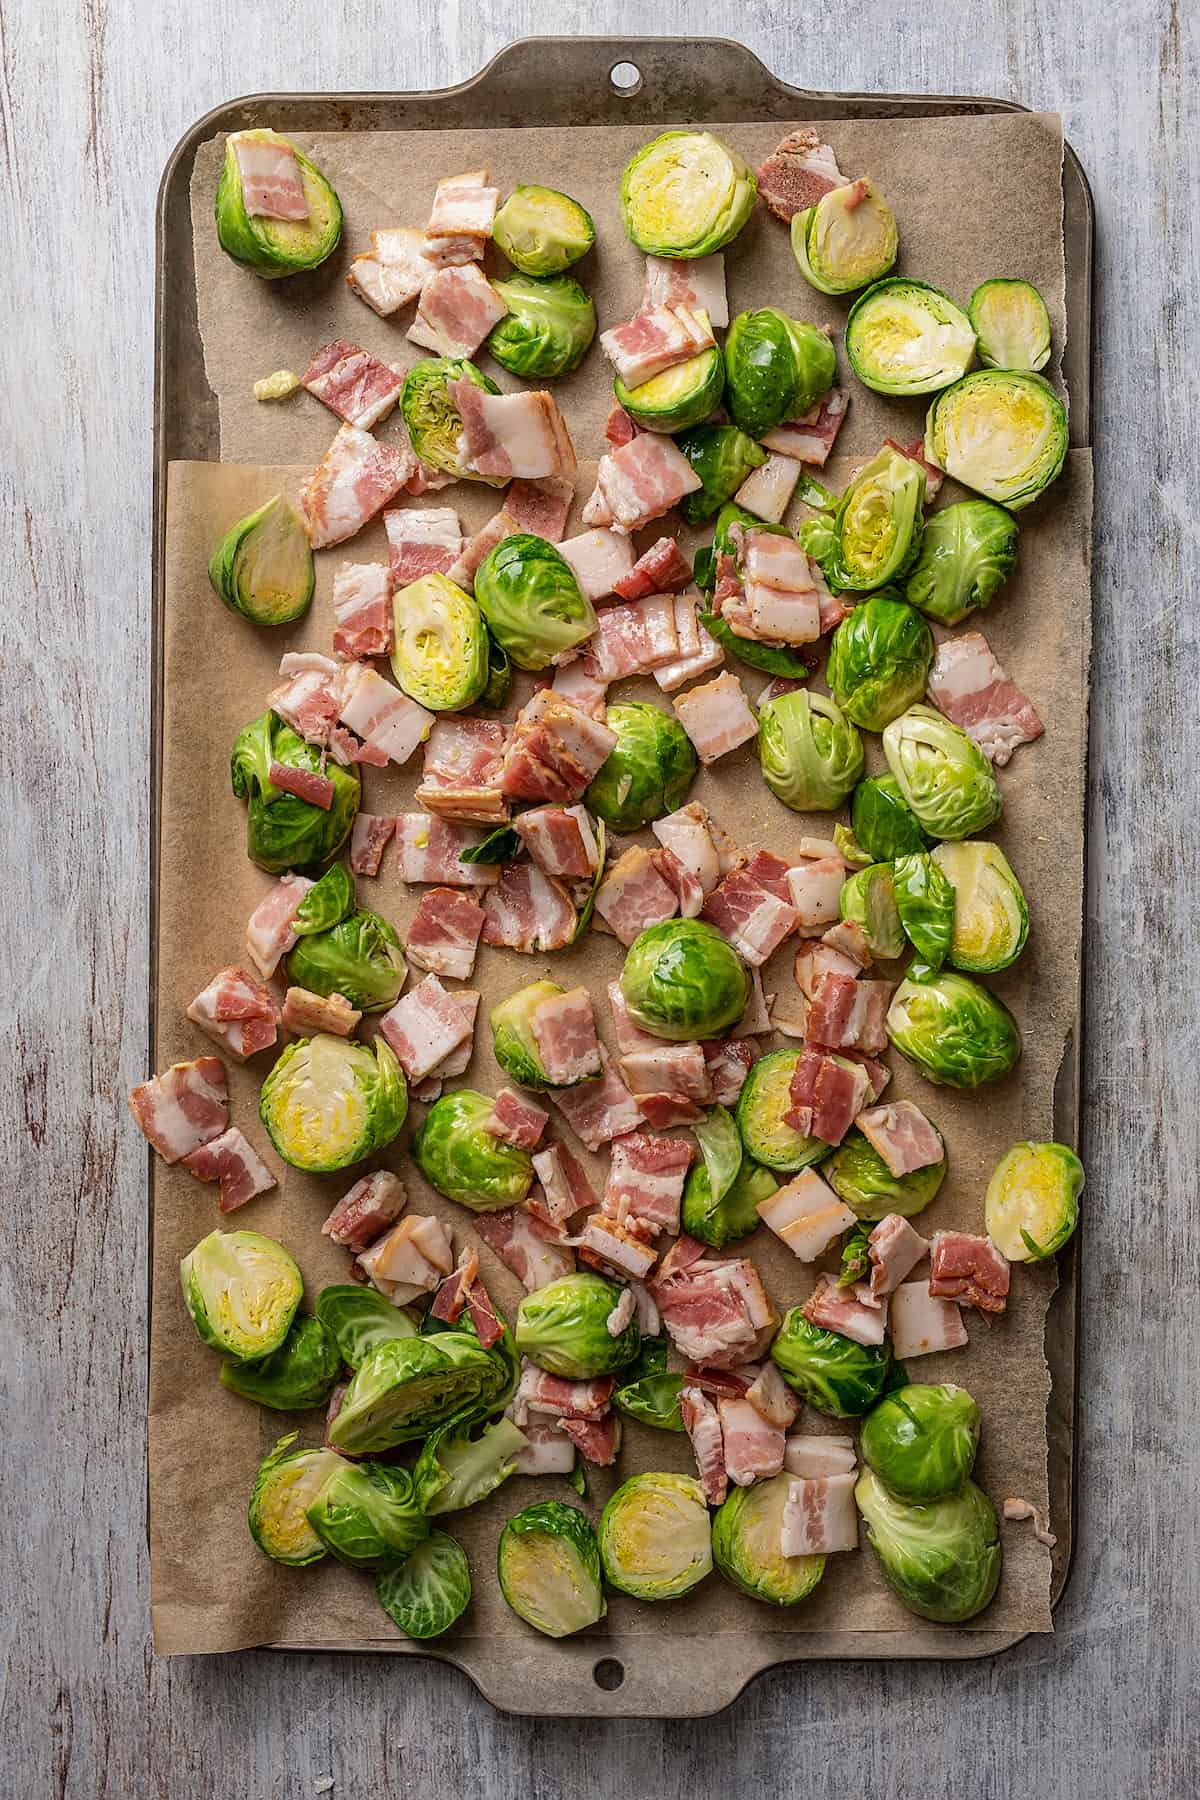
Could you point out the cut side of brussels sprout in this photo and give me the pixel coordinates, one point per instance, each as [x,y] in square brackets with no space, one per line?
[407,1387]
[1002,433]
[563,1328]
[466,1163]
[430,1590]
[303,1372]
[551,321]
[846,240]
[776,368]
[955,1031]
[925,903]
[868,900]
[329,1101]
[884,825]
[968,551]
[746,1534]
[276,247]
[359,1319]
[242,1291]
[1032,1203]
[359,958]
[761,1105]
[368,1517]
[541,231]
[941,1558]
[943,777]
[686,194]
[990,916]
[655,1537]
[810,754]
[287,1484]
[648,771]
[534,607]
[548,1563]
[282,831]
[878,524]
[905,337]
[440,648]
[921,1440]
[879,662]
[1011,324]
[431,418]
[326,903]
[682,981]
[722,456]
[862,1180]
[831,1372]
[263,566]
[680,397]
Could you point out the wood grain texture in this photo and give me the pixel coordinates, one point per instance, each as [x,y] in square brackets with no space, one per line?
[92,97]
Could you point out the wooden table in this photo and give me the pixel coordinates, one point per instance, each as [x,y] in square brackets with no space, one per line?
[92,97]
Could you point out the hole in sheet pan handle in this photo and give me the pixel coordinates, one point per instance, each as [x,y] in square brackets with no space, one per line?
[609,1674]
[625,78]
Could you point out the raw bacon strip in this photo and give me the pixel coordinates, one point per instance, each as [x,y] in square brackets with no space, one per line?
[564,1029]
[728,1062]
[775,618]
[697,283]
[183,1108]
[621,1245]
[449,1303]
[894,1249]
[654,340]
[547,1451]
[444,933]
[811,437]
[357,476]
[457,309]
[815,890]
[599,1111]
[424,1027]
[422,541]
[528,911]
[922,1323]
[574,681]
[484,1318]
[511,434]
[394,271]
[829,1092]
[410,1260]
[717,717]
[554,751]
[541,507]
[767,491]
[675,1069]
[716,1313]
[663,569]
[236,1164]
[464,761]
[633,895]
[269,933]
[834,1308]
[455,1062]
[968,1269]
[687,834]
[429,850]
[365,1210]
[272,185]
[382,715]
[849,940]
[566,1189]
[564,1399]
[815,1456]
[308,699]
[729,1383]
[806,1214]
[968,685]
[749,915]
[707,655]
[597,1441]
[819,1516]
[702,1422]
[237,1013]
[514,1236]
[369,836]
[463,206]
[645,1178]
[772,561]
[753,1446]
[362,610]
[352,383]
[305,784]
[770,1395]
[631,640]
[599,560]
[305,1012]
[683,1254]
[560,840]
[630,1037]
[902,1135]
[640,481]
[688,891]
[516,1121]
[799,172]
[850,1012]
[462,572]
[664,1110]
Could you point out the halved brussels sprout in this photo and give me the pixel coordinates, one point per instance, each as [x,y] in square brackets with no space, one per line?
[761,1105]
[456,1469]
[563,1328]
[648,771]
[649,1391]
[330,1101]
[430,1590]
[811,755]
[440,649]
[722,1194]
[359,958]
[955,1031]
[680,397]
[548,1563]
[968,551]
[862,1181]
[942,1558]
[303,1372]
[513,1043]
[551,321]
[433,422]
[878,524]
[655,1537]
[368,1516]
[282,831]
[466,1163]
[500,676]
[1002,433]
[541,231]
[905,337]
[879,661]
[746,1533]
[846,240]
[868,900]
[1032,1202]
[990,916]
[921,1440]
[406,1387]
[925,904]
[242,1291]
[943,776]
[776,368]
[533,604]
[263,566]
[686,194]
[831,1372]
[275,247]
[682,981]
[884,825]
[1011,324]
[359,1319]
[287,1484]
[722,456]
[326,903]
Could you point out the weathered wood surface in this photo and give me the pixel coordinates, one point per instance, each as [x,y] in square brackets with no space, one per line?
[92,98]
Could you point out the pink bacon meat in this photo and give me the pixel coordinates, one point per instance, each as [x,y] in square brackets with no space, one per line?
[443,935]
[599,1111]
[894,1249]
[511,434]
[357,476]
[811,437]
[525,1246]
[564,1029]
[565,1188]
[753,1445]
[457,308]
[560,840]
[366,1210]
[541,507]
[421,541]
[269,930]
[717,717]
[237,1012]
[645,1177]
[528,911]
[663,569]
[599,560]
[702,1422]
[305,784]
[554,752]
[423,1028]
[799,171]
[967,684]
[638,482]
[234,1162]
[464,762]
[750,913]
[696,282]
[369,838]
[902,1136]
[352,383]
[968,1269]
[429,849]
[839,1309]
[516,1121]
[922,1323]
[183,1108]
[272,185]
[654,340]
[633,896]
[819,1516]
[362,610]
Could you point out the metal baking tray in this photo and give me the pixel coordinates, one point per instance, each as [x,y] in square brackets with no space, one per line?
[658,82]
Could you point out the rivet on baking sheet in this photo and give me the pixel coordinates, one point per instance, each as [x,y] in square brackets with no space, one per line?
[608,1672]
[626,78]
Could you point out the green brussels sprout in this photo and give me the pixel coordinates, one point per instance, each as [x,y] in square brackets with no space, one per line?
[287,1484]
[330,1101]
[655,1537]
[1032,1202]
[513,1043]
[943,776]
[361,1318]
[1000,432]
[776,368]
[466,1163]
[548,1563]
[682,396]
[879,660]
[856,1257]
[862,1181]
[810,753]
[406,1387]
[326,903]
[831,1372]
[531,600]
[499,678]
[263,566]
[649,1391]
[905,337]
[563,1328]
[722,1194]
[761,1105]
[942,1559]
[456,1470]
[846,240]
[921,1440]
[868,900]
[430,1590]
[433,422]
[242,1291]
[990,919]
[967,553]
[848,846]
[686,194]
[925,905]
[722,456]
[648,771]
[682,981]
[884,825]
[303,1372]
[275,247]
[440,648]
[282,831]
[541,231]
[721,1157]
[746,1534]
[817,540]
[368,1515]
[877,530]
[955,1031]
[550,323]
[1011,324]
[359,958]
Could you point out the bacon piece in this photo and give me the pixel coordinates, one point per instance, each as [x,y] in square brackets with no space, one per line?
[463,571]
[662,1110]
[702,1422]
[423,1028]
[541,507]
[598,560]
[564,1029]
[309,698]
[444,933]
[369,836]
[410,1260]
[564,1399]
[640,481]
[806,1214]
[352,383]
[849,940]
[967,684]
[968,1269]
[514,1235]
[560,840]
[717,717]
[687,890]
[902,1136]
[632,640]
[707,655]
[663,569]
[516,1121]
[683,1254]
[728,1062]
[449,1303]
[686,833]
[381,714]
[819,1516]
[547,1451]
[811,1456]
[915,452]
[575,681]
[753,1446]
[554,751]
[810,438]
[457,309]
[566,1189]
[921,1322]
[633,896]
[678,1070]
[799,172]
[429,850]
[645,1177]
[272,185]
[365,1210]
[235,1163]
[770,1395]
[528,911]
[716,1313]
[768,489]
[305,1012]
[237,1013]
[630,1037]
[734,1383]
[850,1012]
[305,784]
[394,271]
[464,759]
[894,1249]
[511,434]
[488,1328]
[619,428]
[654,340]
[696,282]
[269,933]
[597,1441]
[599,1111]
[357,476]
[749,915]
[830,1090]
[183,1108]
[362,609]
[815,890]
[467,1001]
[839,1309]
[621,1245]
[463,206]
[422,541]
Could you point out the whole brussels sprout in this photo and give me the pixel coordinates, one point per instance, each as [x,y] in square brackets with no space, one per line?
[776,368]
[811,755]
[989,917]
[287,1484]
[884,825]
[406,1387]
[361,1318]
[905,337]
[868,900]
[686,194]
[879,661]
[367,1515]
[549,325]
[833,1373]
[722,456]
[241,1290]
[921,1440]
[329,1101]
[541,231]
[648,771]
[682,981]
[326,903]
[303,1372]
[513,1043]
[533,604]
[1011,324]
[359,958]
[846,240]
[968,551]
[925,904]
[466,1163]
[942,1557]
[1000,432]
[746,1534]
[679,397]
[764,1100]
[440,646]
[433,422]
[263,566]
[430,1590]
[955,1031]
[877,530]
[943,776]
[282,831]
[655,1537]
[548,1563]
[563,1328]
[1032,1202]
[275,247]
[862,1181]
[648,1391]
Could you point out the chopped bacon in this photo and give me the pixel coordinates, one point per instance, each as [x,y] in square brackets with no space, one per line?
[237,1012]
[810,438]
[915,452]
[422,540]
[967,684]
[235,1163]
[645,1177]
[410,1260]
[541,507]
[849,940]
[687,889]
[819,1516]
[702,1422]
[423,1028]
[463,206]
[362,610]
[394,271]
[464,759]
[663,569]
[633,895]
[309,697]
[365,1210]
[902,1136]
[640,481]
[454,1063]
[767,492]
[352,383]
[514,1235]
[815,890]
[449,1303]
[728,1062]
[716,1313]
[269,933]
[706,655]
[463,571]
[575,681]
[686,833]
[633,639]
[304,1011]
[554,751]
[662,1110]
[894,1249]
[598,560]
[560,840]
[444,933]
[357,476]
[921,1322]
[968,1269]
[806,1214]
[770,1395]
[599,1111]
[528,911]
[620,1245]
[564,1029]
[511,434]
[183,1108]
[749,914]
[630,1037]
[697,282]
[619,428]
[516,1121]
[430,850]
[457,309]
[272,185]
[814,1456]
[488,1328]
[734,1383]
[597,1441]
[717,717]
[369,838]
[848,1012]
[678,1070]
[753,1446]
[564,1399]
[683,1254]
[622,1314]
[799,172]
[381,714]
[839,1309]
[566,1189]
[829,1091]
[654,340]
[305,784]
[546,1452]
